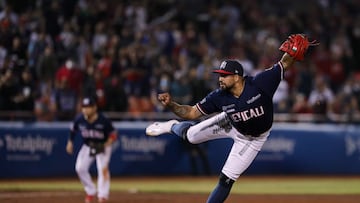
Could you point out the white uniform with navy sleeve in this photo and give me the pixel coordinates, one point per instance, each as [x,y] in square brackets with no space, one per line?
[246,119]
[98,131]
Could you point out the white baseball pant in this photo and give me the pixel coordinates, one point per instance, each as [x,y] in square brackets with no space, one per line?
[244,148]
[82,166]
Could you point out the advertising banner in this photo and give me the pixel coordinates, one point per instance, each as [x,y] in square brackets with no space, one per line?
[38,150]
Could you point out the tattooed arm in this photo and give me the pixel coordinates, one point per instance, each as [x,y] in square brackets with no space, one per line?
[183,111]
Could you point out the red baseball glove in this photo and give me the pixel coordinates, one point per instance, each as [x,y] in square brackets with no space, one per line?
[296,45]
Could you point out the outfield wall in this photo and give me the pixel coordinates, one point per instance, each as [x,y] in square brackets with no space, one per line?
[38,150]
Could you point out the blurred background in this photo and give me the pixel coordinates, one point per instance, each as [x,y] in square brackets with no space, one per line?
[54,52]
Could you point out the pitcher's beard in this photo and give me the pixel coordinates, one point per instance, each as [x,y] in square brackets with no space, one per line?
[223,86]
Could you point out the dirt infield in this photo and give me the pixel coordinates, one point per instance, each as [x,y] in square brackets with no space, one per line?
[134,196]
[122,197]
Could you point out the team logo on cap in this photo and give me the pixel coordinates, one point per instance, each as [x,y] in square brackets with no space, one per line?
[223,65]
[86,101]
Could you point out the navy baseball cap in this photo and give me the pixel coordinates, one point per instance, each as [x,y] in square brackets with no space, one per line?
[230,67]
[88,101]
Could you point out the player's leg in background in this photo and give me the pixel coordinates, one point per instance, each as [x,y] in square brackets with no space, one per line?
[212,128]
[102,164]
[82,166]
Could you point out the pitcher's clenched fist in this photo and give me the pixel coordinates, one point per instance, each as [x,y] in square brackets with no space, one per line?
[164,98]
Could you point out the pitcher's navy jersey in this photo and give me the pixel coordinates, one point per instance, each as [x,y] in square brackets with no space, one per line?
[98,131]
[252,112]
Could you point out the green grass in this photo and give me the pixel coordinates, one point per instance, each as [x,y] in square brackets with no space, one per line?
[202,185]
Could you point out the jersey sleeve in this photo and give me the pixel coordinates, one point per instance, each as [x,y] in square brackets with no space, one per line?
[269,80]
[109,127]
[74,126]
[207,105]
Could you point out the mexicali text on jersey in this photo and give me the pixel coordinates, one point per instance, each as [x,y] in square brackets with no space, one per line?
[98,131]
[252,112]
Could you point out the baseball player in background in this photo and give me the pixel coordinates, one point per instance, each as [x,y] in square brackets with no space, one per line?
[244,110]
[98,135]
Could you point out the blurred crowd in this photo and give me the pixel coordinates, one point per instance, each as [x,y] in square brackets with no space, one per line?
[54,52]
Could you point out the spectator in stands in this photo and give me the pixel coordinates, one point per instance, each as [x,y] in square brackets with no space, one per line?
[280,98]
[84,53]
[72,74]
[45,104]
[3,56]
[105,62]
[304,81]
[53,17]
[9,15]
[17,54]
[9,84]
[36,47]
[351,92]
[89,84]
[321,97]
[180,88]
[100,39]
[8,24]
[47,65]
[300,104]
[66,100]
[199,87]
[117,100]
[99,80]
[26,92]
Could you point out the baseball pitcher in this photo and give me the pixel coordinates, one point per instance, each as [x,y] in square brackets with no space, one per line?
[245,112]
